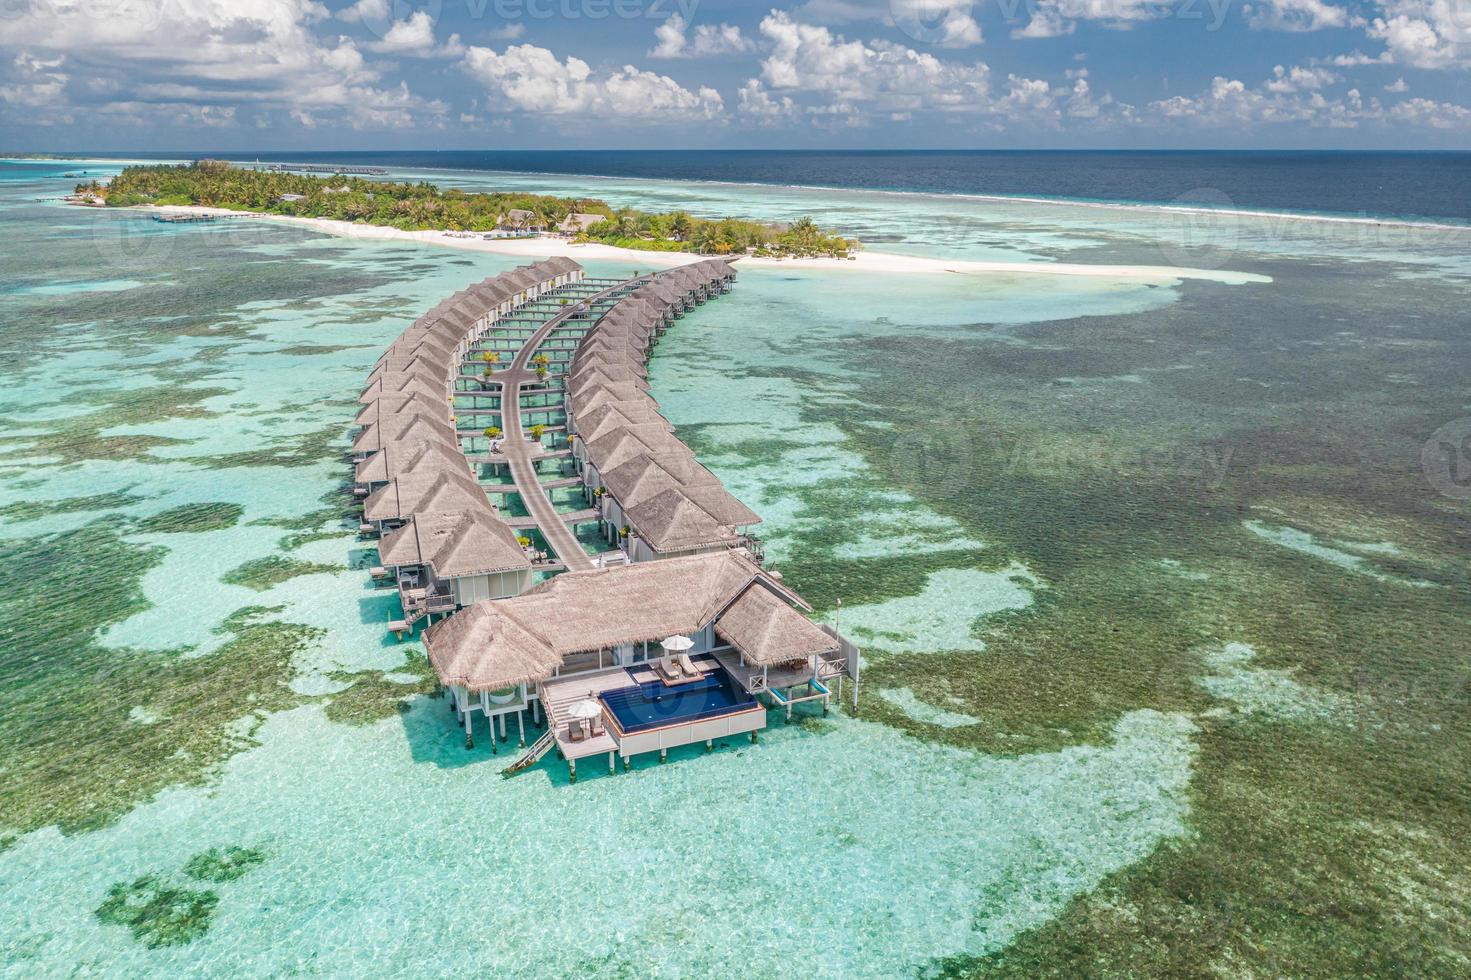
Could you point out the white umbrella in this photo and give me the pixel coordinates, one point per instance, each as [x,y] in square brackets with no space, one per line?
[677,644]
[673,646]
[585,709]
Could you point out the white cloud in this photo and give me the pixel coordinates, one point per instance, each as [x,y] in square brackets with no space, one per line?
[1397,86]
[365,12]
[1055,18]
[756,104]
[709,40]
[1298,79]
[1295,15]
[1230,103]
[37,81]
[214,54]
[945,23]
[1030,97]
[1080,103]
[809,58]
[532,79]
[1425,33]
[1436,115]
[1358,59]
[412,36]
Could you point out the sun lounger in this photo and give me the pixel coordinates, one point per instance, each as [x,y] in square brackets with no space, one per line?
[597,725]
[688,667]
[574,730]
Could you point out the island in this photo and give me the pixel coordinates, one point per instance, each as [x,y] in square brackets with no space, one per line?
[423,206]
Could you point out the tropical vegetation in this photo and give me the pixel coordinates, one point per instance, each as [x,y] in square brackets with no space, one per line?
[425,206]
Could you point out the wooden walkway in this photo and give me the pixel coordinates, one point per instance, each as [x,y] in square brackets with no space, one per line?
[521,454]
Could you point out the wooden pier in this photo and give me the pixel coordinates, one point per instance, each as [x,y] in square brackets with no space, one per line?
[520,380]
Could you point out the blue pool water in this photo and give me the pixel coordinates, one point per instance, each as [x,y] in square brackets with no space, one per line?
[651,705]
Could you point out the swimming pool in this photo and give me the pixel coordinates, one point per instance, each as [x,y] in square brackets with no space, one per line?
[652,705]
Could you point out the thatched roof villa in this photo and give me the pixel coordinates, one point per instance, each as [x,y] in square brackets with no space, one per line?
[677,644]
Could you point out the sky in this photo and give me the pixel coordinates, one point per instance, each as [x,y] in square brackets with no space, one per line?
[165,75]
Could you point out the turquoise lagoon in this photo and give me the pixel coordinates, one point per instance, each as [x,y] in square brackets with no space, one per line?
[1037,501]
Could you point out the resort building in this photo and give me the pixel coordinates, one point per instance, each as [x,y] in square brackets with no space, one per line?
[671,632]
[600,637]
[457,558]
[577,222]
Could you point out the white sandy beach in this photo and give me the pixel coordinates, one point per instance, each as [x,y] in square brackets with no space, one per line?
[865,261]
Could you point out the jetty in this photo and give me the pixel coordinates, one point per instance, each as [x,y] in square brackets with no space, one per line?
[571,563]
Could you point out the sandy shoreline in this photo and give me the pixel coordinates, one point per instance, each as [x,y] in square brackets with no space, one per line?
[865,261]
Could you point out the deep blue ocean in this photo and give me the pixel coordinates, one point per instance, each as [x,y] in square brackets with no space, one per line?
[1374,184]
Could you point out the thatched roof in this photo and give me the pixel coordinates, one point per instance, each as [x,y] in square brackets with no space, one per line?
[617,415]
[401,386]
[392,405]
[520,278]
[767,631]
[615,448]
[578,221]
[505,642]
[399,458]
[398,428]
[670,521]
[594,393]
[597,373]
[559,265]
[428,489]
[485,648]
[722,505]
[454,544]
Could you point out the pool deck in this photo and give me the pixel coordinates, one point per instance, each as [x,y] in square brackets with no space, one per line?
[557,694]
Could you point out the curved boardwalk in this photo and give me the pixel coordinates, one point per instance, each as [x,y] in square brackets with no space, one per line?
[521,454]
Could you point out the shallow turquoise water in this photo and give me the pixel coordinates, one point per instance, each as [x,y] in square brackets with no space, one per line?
[390,848]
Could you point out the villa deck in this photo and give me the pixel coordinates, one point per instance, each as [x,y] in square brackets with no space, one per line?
[559,694]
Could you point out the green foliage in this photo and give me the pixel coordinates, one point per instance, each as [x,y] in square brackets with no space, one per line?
[374,695]
[193,518]
[263,573]
[76,752]
[420,206]
[157,912]
[221,865]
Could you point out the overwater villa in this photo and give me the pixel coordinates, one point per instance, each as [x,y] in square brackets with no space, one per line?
[672,632]
[640,658]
